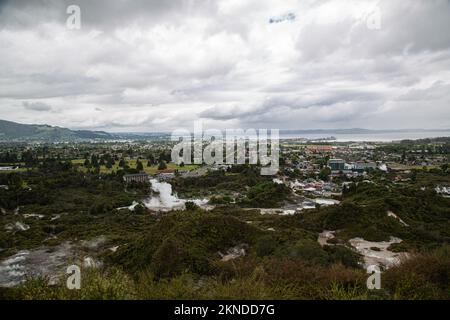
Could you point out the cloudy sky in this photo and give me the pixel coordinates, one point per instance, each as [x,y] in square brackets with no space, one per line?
[151,65]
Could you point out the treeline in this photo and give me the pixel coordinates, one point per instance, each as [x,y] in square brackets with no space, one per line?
[52,182]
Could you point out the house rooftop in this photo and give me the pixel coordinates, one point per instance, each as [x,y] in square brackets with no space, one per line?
[136,174]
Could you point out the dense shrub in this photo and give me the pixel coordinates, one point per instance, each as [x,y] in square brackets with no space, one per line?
[344,255]
[309,251]
[424,276]
[185,241]
[265,246]
[265,195]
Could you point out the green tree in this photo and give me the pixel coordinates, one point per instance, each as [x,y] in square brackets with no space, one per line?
[162,165]
[94,161]
[325,174]
[151,160]
[139,166]
[109,163]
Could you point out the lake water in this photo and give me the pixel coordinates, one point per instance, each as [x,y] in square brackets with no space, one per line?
[370,137]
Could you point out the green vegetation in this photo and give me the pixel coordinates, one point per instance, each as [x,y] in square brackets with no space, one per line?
[265,195]
[425,276]
[363,213]
[147,167]
[76,194]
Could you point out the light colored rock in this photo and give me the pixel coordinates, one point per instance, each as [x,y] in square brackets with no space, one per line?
[32,215]
[114,249]
[393,215]
[89,262]
[326,202]
[281,212]
[55,217]
[277,181]
[234,253]
[18,226]
[45,261]
[325,236]
[131,207]
[382,257]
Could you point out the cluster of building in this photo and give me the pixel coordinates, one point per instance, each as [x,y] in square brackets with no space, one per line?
[162,175]
[141,177]
[340,166]
[317,187]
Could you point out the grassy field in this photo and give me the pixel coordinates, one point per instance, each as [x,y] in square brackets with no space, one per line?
[399,166]
[132,164]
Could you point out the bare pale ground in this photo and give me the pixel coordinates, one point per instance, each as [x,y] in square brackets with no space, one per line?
[384,257]
[234,252]
[50,262]
[325,236]
[40,262]
[374,253]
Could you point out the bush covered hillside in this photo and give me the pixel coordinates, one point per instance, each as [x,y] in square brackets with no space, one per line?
[30,132]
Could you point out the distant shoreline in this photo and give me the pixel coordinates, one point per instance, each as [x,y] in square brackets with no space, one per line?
[370,137]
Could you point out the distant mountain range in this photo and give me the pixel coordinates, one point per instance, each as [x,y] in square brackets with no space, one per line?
[12,131]
[357,131]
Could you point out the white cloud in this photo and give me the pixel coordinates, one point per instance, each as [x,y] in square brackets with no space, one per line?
[153,65]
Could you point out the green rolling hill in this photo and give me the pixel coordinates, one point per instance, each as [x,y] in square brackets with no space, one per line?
[12,131]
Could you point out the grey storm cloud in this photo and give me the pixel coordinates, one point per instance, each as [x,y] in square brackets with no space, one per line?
[288,104]
[103,14]
[36,106]
[147,65]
